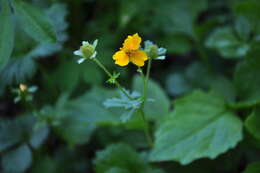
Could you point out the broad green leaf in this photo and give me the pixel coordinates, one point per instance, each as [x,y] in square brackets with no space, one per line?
[6,33]
[252,123]
[253,168]
[34,22]
[225,41]
[112,159]
[17,160]
[158,103]
[78,118]
[199,127]
[247,82]
[224,87]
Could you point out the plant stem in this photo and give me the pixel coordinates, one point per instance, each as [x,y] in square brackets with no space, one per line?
[110,75]
[146,129]
[145,87]
[147,78]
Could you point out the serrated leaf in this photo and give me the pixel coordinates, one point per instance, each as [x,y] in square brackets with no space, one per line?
[225,41]
[6,33]
[160,104]
[78,118]
[199,127]
[129,105]
[17,160]
[34,22]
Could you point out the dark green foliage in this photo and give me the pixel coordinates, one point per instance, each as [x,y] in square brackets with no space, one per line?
[201,108]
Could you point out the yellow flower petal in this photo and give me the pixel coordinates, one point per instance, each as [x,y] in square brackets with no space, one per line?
[121,58]
[138,58]
[132,42]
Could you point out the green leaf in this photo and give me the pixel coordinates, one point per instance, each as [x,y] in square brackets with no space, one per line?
[17,160]
[247,82]
[9,134]
[195,76]
[38,136]
[243,28]
[176,16]
[90,73]
[72,76]
[199,127]
[34,22]
[130,105]
[250,10]
[225,41]
[78,118]
[112,159]
[6,33]
[253,168]
[18,70]
[159,103]
[252,123]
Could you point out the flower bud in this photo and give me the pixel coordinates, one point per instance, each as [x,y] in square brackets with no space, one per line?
[86,51]
[154,51]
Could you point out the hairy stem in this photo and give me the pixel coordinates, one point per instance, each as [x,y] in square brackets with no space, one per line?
[110,75]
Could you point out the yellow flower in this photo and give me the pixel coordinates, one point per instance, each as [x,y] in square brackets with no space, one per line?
[130,52]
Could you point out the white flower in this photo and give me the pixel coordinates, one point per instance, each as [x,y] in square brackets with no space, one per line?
[87,50]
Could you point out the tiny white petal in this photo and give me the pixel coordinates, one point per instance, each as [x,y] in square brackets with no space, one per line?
[78,53]
[95,43]
[85,43]
[81,60]
[161,58]
[161,50]
[93,55]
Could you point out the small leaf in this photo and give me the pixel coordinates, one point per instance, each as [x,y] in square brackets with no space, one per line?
[17,160]
[34,22]
[199,127]
[6,33]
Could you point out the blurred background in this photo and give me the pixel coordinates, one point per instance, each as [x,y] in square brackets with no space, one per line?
[204,40]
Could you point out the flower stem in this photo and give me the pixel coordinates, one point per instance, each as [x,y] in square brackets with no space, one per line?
[110,75]
[146,129]
[145,87]
[147,78]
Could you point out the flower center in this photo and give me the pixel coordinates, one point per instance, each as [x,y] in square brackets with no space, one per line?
[129,53]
